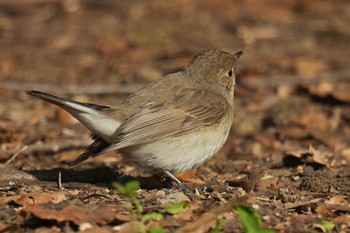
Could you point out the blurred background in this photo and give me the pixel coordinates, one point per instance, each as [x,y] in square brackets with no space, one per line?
[75,42]
[292,99]
[292,81]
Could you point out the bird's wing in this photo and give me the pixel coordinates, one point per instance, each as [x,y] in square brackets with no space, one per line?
[186,111]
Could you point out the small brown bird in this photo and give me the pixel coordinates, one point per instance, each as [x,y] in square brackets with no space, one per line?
[171,125]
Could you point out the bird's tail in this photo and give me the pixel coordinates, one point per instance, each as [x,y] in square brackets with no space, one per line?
[67,104]
[90,115]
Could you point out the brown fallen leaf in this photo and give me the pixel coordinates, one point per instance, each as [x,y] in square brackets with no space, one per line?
[205,221]
[188,213]
[332,140]
[186,175]
[195,181]
[339,90]
[266,183]
[309,68]
[97,230]
[73,213]
[298,221]
[344,208]
[323,211]
[133,226]
[189,177]
[320,156]
[249,183]
[173,198]
[35,198]
[336,200]
[312,155]
[301,203]
[114,45]
[344,219]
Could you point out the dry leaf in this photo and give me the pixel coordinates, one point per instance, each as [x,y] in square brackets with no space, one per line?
[133,226]
[173,198]
[35,198]
[339,90]
[324,211]
[73,213]
[111,46]
[309,68]
[320,157]
[336,200]
[344,219]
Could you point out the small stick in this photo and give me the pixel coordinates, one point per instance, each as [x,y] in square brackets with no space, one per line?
[16,154]
[60,187]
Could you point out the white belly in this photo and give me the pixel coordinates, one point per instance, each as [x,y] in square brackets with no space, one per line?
[181,153]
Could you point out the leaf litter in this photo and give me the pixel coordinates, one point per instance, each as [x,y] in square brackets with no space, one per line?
[288,154]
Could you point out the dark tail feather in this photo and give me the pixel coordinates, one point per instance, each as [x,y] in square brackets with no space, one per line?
[63,102]
[93,150]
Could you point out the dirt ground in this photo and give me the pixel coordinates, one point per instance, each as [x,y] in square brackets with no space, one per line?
[288,153]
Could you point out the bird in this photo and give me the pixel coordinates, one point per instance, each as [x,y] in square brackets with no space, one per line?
[169,126]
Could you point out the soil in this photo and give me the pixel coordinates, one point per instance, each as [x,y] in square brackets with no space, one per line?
[288,153]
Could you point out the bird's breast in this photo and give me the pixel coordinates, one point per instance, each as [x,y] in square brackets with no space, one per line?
[180,153]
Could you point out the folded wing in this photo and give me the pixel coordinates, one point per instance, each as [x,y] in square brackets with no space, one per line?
[188,110]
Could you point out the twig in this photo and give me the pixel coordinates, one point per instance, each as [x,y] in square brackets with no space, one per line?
[298,204]
[60,187]
[108,89]
[16,154]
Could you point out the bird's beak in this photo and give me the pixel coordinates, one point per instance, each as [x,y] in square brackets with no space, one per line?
[237,55]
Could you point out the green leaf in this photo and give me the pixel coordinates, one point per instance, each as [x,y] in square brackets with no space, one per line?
[327,225]
[118,187]
[176,208]
[128,189]
[137,204]
[152,216]
[131,187]
[218,227]
[156,230]
[265,230]
[251,220]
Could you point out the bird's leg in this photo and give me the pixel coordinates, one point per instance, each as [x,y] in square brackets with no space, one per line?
[175,181]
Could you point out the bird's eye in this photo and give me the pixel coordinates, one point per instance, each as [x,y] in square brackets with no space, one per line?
[230,73]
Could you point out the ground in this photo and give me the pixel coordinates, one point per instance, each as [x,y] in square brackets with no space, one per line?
[288,153]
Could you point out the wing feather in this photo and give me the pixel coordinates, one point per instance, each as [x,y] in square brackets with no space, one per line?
[186,112]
